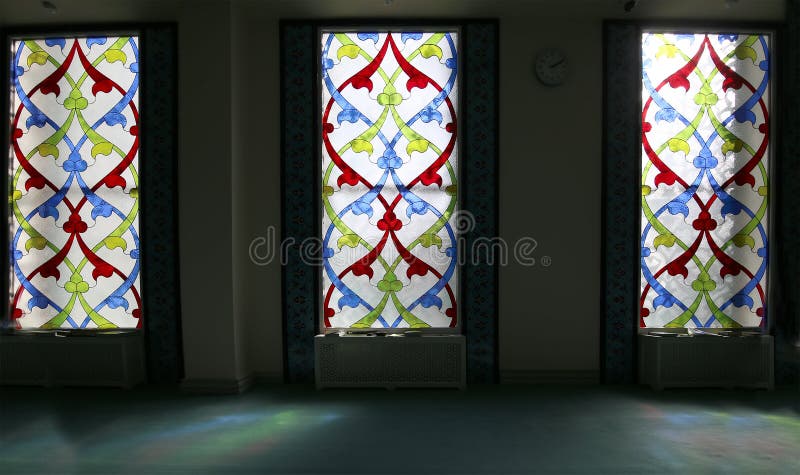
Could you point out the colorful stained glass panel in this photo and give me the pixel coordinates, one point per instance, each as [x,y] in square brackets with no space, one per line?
[389,179]
[705,150]
[74,183]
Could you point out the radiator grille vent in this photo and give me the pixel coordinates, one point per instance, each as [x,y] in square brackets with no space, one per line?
[47,360]
[355,361]
[706,361]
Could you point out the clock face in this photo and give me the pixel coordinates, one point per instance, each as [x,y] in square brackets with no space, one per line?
[551,67]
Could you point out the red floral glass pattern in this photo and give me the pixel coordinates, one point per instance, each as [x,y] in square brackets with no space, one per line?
[74,183]
[389,179]
[705,150]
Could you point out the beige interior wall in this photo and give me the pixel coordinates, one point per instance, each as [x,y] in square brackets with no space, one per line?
[550,162]
[210,325]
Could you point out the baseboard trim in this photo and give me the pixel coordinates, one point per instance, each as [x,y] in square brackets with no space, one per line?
[268,377]
[217,386]
[549,377]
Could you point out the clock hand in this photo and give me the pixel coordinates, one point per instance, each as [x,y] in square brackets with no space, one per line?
[557,63]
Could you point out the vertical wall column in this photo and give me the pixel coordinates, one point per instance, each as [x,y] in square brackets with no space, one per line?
[212,358]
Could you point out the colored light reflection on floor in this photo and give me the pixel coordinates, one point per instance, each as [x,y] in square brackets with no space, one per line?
[735,439]
[287,429]
[250,435]
[191,436]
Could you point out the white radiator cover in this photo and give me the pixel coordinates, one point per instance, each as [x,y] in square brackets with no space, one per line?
[390,362]
[44,359]
[706,361]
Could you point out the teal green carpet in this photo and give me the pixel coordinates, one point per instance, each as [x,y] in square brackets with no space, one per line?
[483,430]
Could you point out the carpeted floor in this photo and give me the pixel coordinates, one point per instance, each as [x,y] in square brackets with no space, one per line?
[486,430]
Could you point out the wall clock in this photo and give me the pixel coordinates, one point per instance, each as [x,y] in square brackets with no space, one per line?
[550,67]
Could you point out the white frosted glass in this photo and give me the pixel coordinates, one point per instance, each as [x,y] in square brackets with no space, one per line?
[705,122]
[74,183]
[389,179]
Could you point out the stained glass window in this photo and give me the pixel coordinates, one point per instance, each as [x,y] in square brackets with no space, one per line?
[389,179]
[74,183]
[705,150]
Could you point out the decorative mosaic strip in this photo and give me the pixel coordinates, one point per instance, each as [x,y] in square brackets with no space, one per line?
[480,159]
[299,201]
[620,202]
[160,280]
